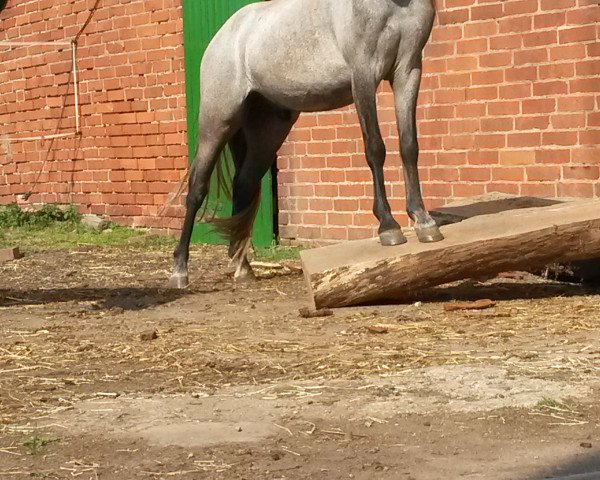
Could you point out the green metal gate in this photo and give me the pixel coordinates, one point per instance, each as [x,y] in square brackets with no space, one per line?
[201,20]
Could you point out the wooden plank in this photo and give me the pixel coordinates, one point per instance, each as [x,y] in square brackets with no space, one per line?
[363,271]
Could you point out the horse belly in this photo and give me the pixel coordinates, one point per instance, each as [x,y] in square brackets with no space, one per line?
[306,89]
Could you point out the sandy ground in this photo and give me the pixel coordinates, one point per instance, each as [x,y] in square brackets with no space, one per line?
[237,385]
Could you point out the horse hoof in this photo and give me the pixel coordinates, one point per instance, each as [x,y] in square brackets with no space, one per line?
[244,276]
[389,238]
[429,234]
[178,281]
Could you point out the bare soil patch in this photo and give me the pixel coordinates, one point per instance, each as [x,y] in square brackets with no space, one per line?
[235,383]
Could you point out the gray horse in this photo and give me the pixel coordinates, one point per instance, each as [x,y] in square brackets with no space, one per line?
[273,60]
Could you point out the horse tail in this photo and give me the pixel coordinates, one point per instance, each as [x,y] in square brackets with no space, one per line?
[222,183]
[234,229]
[238,228]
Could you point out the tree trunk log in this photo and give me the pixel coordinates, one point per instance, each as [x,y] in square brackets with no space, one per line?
[363,271]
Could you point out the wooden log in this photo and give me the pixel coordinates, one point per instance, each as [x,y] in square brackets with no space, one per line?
[363,271]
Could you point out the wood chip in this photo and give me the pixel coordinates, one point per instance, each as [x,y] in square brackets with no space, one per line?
[148,335]
[306,312]
[377,329]
[476,305]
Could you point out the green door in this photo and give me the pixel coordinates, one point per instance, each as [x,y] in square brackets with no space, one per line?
[201,20]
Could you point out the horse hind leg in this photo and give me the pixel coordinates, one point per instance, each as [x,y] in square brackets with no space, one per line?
[213,137]
[265,129]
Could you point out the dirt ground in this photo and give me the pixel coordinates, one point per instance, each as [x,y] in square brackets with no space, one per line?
[237,385]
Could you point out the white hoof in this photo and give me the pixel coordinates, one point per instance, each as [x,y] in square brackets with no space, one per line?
[178,281]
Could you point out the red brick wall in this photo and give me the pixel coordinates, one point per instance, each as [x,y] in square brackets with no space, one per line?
[510,102]
[132,147]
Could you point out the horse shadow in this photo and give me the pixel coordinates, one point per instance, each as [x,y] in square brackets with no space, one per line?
[123,298]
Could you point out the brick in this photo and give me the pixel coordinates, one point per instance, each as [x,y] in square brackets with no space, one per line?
[517,74]
[516,90]
[581,172]
[504,108]
[515,24]
[498,59]
[490,141]
[557,4]
[481,29]
[589,137]
[538,189]
[577,103]
[565,121]
[538,38]
[556,70]
[475,45]
[536,56]
[577,34]
[467,190]
[443,174]
[550,88]
[539,106]
[508,174]
[519,7]
[506,42]
[541,174]
[497,124]
[584,85]
[486,12]
[588,68]
[567,52]
[487,77]
[575,189]
[528,139]
[540,122]
[475,174]
[517,157]
[549,20]
[482,157]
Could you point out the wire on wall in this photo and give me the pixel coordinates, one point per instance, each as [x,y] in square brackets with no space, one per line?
[75,81]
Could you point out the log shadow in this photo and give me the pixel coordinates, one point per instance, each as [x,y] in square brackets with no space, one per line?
[470,290]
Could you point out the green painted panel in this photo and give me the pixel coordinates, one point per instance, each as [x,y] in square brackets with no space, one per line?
[201,20]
